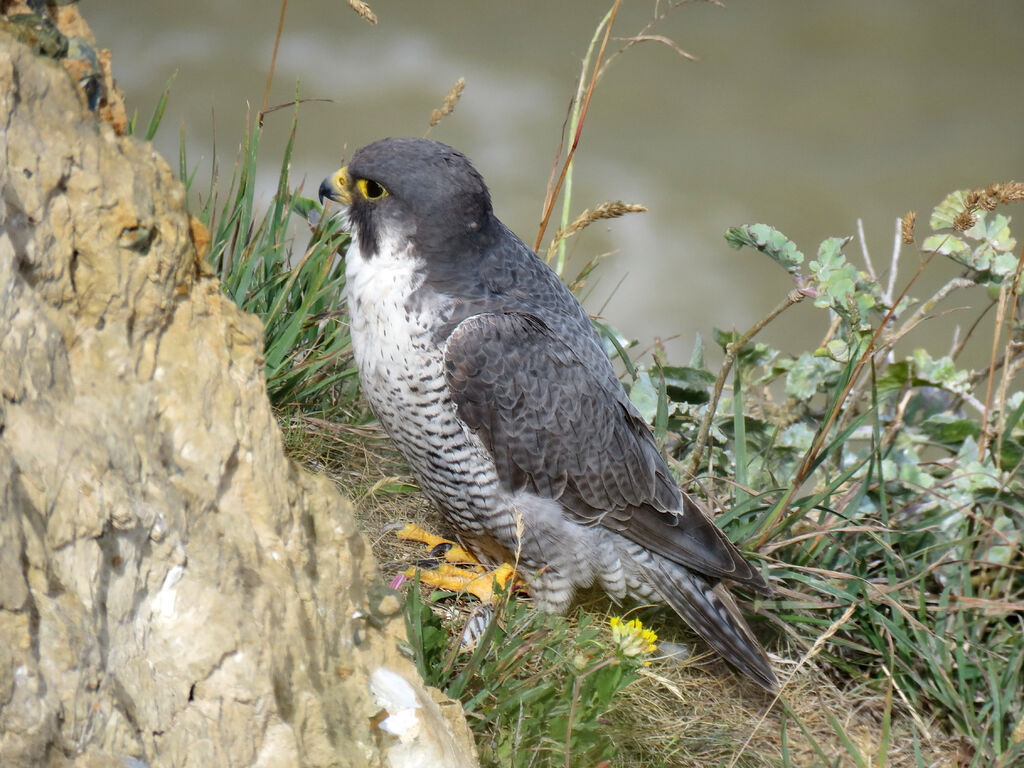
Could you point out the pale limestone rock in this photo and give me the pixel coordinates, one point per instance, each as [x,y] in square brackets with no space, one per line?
[172,589]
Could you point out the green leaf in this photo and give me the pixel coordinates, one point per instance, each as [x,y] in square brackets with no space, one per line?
[838,350]
[644,396]
[769,241]
[615,345]
[841,286]
[1004,264]
[158,113]
[685,384]
[952,205]
[949,429]
[895,377]
[303,205]
[797,436]
[948,245]
[1011,453]
[724,338]
[809,374]
[995,231]
[941,372]
[1009,541]
[697,357]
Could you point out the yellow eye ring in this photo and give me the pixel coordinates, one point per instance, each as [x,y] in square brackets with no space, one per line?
[370,189]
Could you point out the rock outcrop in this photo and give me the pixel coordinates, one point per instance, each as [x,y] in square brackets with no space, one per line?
[173,590]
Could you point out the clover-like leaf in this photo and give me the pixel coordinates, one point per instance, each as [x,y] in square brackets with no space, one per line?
[809,374]
[841,286]
[941,371]
[769,241]
[950,245]
[948,210]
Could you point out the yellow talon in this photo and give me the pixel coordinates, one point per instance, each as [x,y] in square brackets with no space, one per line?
[457,579]
[455,554]
[452,578]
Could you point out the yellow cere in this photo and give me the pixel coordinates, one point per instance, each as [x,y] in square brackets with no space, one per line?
[341,178]
[631,637]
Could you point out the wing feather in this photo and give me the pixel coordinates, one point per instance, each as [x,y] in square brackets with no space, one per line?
[565,429]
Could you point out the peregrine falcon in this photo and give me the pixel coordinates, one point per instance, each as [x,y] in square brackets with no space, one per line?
[490,378]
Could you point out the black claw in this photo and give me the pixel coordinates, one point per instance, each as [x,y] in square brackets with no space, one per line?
[440,550]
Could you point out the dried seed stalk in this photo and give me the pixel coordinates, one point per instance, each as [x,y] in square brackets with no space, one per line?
[450,100]
[610,210]
[364,10]
[987,199]
[907,227]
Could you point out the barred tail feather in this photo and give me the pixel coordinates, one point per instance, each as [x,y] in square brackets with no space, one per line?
[712,613]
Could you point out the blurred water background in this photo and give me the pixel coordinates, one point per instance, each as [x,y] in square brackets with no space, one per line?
[804,115]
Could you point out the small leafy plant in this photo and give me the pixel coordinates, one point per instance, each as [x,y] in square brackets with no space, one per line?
[533,686]
[882,486]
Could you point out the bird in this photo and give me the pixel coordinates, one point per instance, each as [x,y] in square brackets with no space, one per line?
[490,378]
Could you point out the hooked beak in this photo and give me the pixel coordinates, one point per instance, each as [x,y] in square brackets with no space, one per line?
[335,187]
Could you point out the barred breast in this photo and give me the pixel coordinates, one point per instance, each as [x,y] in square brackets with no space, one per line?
[401,373]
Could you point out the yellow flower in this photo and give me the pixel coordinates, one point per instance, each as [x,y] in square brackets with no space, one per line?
[631,637]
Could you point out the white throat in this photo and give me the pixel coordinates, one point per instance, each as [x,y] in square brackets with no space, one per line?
[389,335]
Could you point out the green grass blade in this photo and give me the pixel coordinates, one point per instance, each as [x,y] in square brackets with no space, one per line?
[158,113]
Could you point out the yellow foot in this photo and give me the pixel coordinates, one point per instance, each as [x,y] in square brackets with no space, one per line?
[453,554]
[456,579]
[474,579]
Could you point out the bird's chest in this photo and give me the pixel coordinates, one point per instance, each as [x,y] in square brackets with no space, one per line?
[392,338]
[401,370]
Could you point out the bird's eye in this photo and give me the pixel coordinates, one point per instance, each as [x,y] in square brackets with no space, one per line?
[370,189]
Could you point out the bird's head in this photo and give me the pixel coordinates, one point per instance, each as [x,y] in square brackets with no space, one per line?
[411,190]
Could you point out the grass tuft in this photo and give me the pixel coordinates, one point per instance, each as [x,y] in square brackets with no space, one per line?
[297,294]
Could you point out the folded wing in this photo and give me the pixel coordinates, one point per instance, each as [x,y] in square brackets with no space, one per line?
[566,430]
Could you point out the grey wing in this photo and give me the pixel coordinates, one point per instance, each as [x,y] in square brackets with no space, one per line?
[567,431]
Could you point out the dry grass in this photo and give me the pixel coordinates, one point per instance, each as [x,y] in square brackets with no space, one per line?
[701,714]
[689,712]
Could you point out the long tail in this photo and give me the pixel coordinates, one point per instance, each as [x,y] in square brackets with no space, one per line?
[712,613]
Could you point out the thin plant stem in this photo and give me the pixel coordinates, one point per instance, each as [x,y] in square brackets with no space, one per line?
[549,201]
[962,344]
[574,120]
[997,331]
[732,350]
[273,59]
[1008,369]
[819,643]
